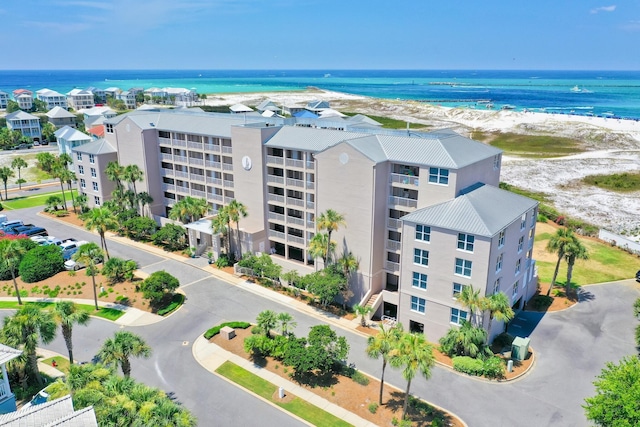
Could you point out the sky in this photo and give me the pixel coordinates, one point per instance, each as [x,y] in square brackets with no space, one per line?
[320,34]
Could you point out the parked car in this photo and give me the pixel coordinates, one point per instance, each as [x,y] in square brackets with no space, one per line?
[41,240]
[69,248]
[18,229]
[35,231]
[7,224]
[58,242]
[638,276]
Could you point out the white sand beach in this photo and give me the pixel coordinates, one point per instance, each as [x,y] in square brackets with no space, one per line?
[612,146]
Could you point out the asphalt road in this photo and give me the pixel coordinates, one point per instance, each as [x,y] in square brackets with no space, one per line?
[571,348]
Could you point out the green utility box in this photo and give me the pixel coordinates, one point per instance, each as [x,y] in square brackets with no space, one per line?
[520,348]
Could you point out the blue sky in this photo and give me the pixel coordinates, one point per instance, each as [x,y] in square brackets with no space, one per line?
[322,34]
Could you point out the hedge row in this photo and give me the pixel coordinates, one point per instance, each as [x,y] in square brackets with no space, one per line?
[176,302]
[493,367]
[216,329]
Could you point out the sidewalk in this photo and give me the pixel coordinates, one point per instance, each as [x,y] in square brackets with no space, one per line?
[211,356]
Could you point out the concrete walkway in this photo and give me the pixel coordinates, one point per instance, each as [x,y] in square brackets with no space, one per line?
[211,356]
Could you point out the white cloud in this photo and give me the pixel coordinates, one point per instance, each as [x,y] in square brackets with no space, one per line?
[631,26]
[604,9]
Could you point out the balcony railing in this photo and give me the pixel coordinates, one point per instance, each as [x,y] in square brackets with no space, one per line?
[166,172]
[181,174]
[311,185]
[213,164]
[402,201]
[179,143]
[394,223]
[275,160]
[196,161]
[168,187]
[296,221]
[392,245]
[166,156]
[216,197]
[275,179]
[310,165]
[311,224]
[197,177]
[214,181]
[392,266]
[227,166]
[295,202]
[275,198]
[413,181]
[198,193]
[212,147]
[310,205]
[295,239]
[295,182]
[196,145]
[228,184]
[181,159]
[228,200]
[168,201]
[227,149]
[164,141]
[277,234]
[182,190]
[4,391]
[275,216]
[295,163]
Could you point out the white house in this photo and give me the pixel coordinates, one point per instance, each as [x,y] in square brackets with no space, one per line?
[79,99]
[25,123]
[52,98]
[68,138]
[7,399]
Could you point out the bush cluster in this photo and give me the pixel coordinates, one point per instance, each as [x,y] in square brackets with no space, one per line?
[140,228]
[5,272]
[41,263]
[492,367]
[171,237]
[216,329]
[176,302]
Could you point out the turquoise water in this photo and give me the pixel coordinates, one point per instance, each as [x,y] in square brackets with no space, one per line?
[609,93]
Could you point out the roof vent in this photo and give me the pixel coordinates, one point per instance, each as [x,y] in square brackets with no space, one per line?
[152,124]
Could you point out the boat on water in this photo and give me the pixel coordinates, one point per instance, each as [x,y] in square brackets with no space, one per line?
[489,105]
[508,107]
[327,75]
[576,89]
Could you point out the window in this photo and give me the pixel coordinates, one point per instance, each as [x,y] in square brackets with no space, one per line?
[96,200]
[93,172]
[95,186]
[81,169]
[83,184]
[79,156]
[531,234]
[523,222]
[520,244]
[457,289]
[496,286]
[515,288]
[533,218]
[458,316]
[496,162]
[418,304]
[421,257]
[518,265]
[92,159]
[423,233]
[463,267]
[439,176]
[499,263]
[465,242]
[419,280]
[501,239]
[108,128]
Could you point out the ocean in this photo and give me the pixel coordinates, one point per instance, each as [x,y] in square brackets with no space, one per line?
[598,93]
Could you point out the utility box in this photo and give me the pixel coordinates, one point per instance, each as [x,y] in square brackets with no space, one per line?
[228,332]
[520,348]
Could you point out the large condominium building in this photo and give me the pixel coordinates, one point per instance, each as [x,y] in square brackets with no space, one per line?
[423,213]
[25,123]
[52,98]
[4,100]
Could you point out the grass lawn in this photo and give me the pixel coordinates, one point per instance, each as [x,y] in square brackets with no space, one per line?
[39,200]
[620,182]
[105,313]
[62,364]
[266,390]
[390,123]
[606,263]
[535,146]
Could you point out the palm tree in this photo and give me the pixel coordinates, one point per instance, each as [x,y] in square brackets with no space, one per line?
[90,254]
[266,321]
[121,347]
[59,171]
[132,173]
[81,202]
[349,265]
[285,320]
[471,299]
[11,252]
[362,311]
[29,326]
[318,246]
[413,353]
[330,220]
[380,345]
[5,174]
[499,307]
[236,211]
[189,209]
[69,176]
[115,172]
[19,163]
[467,340]
[573,252]
[68,314]
[220,224]
[144,199]
[64,159]
[558,244]
[101,220]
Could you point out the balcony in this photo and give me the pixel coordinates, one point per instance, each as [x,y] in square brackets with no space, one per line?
[275,216]
[311,185]
[296,221]
[196,145]
[166,156]
[212,147]
[228,200]
[295,239]
[275,179]
[214,181]
[401,201]
[276,235]
[274,160]
[216,197]
[275,198]
[197,177]
[196,161]
[311,224]
[182,190]
[228,184]
[164,141]
[392,245]
[179,143]
[198,193]
[181,159]
[311,205]
[168,187]
[394,223]
[181,174]
[168,201]
[227,166]
[295,202]
[226,149]
[212,164]
[291,182]
[397,178]
[310,165]
[166,172]
[392,266]
[293,163]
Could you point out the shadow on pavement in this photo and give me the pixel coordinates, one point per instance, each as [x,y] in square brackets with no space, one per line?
[525,323]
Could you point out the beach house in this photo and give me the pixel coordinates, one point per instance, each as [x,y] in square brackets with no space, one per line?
[129,99]
[79,99]
[7,398]
[52,98]
[24,98]
[68,138]
[4,99]
[423,211]
[60,117]
[25,123]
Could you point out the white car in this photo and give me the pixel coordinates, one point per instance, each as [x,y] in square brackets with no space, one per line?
[41,240]
[72,265]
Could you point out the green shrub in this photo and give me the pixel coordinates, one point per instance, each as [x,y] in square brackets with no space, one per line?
[54,292]
[468,365]
[540,302]
[360,378]
[41,263]
[216,329]
[157,285]
[222,261]
[503,340]
[118,270]
[171,237]
[176,302]
[493,367]
[140,228]
[373,407]
[27,244]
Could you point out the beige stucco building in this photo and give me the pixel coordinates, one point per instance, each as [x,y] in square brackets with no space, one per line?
[387,184]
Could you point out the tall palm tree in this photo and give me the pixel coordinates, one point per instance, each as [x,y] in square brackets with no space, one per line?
[499,306]
[330,220]
[19,163]
[236,211]
[11,252]
[101,220]
[90,254]
[5,174]
[349,264]
[133,174]
[68,176]
[412,353]
[471,299]
[380,345]
[189,209]
[25,329]
[59,171]
[220,225]
[68,314]
[573,252]
[119,349]
[64,159]
[285,321]
[558,244]
[115,172]
[144,199]
[318,246]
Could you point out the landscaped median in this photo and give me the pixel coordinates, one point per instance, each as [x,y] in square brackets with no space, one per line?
[107,313]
